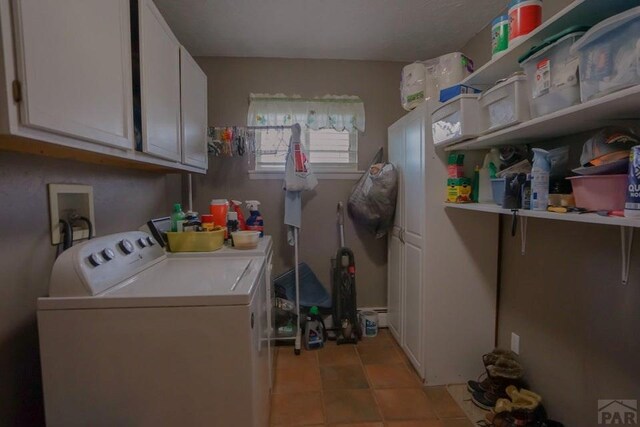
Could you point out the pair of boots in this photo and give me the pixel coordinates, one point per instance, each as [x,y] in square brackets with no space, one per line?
[502,370]
[521,408]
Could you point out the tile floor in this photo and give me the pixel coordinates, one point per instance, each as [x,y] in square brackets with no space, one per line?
[370,384]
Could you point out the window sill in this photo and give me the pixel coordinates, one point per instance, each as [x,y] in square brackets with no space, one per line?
[344,175]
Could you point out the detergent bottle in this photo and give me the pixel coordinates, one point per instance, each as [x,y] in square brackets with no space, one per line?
[255,221]
[314,330]
[540,180]
[236,205]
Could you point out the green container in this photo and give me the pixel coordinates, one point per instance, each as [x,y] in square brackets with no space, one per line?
[499,34]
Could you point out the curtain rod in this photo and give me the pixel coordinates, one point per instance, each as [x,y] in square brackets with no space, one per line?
[254,127]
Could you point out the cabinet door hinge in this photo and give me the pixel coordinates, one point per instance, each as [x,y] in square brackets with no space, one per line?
[17,91]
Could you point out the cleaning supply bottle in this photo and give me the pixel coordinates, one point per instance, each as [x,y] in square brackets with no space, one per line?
[475,186]
[232,225]
[255,221]
[314,330]
[540,180]
[177,218]
[236,205]
[632,203]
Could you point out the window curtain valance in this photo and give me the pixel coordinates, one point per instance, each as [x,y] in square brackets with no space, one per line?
[330,111]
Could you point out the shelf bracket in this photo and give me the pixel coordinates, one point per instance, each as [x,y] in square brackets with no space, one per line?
[626,237]
[523,235]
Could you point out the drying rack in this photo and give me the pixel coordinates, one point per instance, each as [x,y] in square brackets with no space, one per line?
[297,338]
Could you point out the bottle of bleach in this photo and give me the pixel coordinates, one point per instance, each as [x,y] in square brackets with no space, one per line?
[255,221]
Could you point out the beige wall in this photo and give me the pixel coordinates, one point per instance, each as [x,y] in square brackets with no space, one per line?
[124,200]
[230,82]
[576,322]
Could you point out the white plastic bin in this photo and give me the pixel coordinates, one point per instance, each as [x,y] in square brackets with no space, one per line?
[553,75]
[505,104]
[610,55]
[456,120]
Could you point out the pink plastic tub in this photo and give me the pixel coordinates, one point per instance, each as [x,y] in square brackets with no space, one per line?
[599,192]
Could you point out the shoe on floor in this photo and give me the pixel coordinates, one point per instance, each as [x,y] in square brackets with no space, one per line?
[479,386]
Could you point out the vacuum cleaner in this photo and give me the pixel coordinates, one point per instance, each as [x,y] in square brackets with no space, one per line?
[345,308]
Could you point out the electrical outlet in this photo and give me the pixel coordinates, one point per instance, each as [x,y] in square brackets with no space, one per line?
[67,201]
[515,343]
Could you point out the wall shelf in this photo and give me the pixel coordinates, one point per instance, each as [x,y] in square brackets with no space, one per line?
[590,218]
[627,225]
[593,114]
[579,12]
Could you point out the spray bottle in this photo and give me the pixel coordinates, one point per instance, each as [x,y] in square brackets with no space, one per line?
[255,221]
[540,180]
[314,330]
[236,205]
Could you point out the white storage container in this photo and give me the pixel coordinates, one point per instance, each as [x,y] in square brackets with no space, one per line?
[456,120]
[610,55]
[553,75]
[505,104]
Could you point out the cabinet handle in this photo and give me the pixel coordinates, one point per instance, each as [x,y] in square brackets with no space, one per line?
[251,320]
[401,235]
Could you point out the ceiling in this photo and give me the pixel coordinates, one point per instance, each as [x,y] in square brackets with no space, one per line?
[390,30]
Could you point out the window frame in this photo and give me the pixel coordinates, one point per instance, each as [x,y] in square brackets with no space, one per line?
[329,168]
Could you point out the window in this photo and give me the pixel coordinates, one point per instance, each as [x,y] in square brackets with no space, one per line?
[329,150]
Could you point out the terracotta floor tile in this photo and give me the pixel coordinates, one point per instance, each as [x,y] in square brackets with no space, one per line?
[297,409]
[443,403]
[392,376]
[383,339]
[404,404]
[350,406]
[379,355]
[340,377]
[461,422]
[358,425]
[293,380]
[287,359]
[416,423]
[334,354]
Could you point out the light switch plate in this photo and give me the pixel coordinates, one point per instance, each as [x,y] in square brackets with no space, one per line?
[67,198]
[515,343]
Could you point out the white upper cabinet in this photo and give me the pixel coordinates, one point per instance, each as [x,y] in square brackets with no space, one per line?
[159,84]
[193,83]
[73,64]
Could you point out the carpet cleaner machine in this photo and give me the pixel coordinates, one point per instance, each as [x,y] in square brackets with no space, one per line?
[345,308]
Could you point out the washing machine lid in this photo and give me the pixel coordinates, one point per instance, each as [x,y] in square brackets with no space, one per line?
[176,282]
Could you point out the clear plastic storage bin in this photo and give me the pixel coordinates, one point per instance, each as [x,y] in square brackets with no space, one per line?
[610,55]
[505,104]
[456,120]
[553,73]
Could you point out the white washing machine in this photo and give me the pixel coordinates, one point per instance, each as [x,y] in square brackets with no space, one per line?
[131,337]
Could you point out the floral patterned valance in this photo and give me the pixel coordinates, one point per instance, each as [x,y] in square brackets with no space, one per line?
[337,112]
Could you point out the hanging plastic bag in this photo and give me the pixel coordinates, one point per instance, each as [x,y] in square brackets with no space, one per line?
[297,175]
[372,202]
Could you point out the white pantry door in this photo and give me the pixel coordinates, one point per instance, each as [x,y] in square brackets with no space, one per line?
[395,251]
[412,236]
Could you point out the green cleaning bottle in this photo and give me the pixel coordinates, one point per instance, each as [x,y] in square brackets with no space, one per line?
[314,330]
[177,218]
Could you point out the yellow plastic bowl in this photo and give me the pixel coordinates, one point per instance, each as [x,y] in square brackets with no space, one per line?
[196,241]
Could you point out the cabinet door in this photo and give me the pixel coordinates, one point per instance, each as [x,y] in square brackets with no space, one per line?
[414,208]
[395,246]
[74,67]
[193,95]
[260,354]
[160,84]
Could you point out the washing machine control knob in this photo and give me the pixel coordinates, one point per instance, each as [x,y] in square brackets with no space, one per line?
[150,241]
[95,259]
[126,246]
[143,242]
[108,254]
